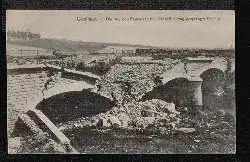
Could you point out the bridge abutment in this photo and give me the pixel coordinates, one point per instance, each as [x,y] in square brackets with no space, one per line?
[195,88]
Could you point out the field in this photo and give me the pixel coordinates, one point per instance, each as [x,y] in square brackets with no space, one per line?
[23,50]
[70,46]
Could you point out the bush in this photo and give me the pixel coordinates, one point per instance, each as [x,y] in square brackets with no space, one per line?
[80,66]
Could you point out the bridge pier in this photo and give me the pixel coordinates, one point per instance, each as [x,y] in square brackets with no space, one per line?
[196,91]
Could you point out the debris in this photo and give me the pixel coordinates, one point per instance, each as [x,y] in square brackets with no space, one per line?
[221,113]
[124,120]
[143,122]
[14,144]
[172,125]
[114,121]
[102,123]
[163,130]
[202,113]
[186,130]
[171,108]
[52,147]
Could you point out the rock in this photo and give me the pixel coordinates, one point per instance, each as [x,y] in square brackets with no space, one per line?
[221,113]
[14,144]
[186,130]
[147,113]
[124,118]
[210,125]
[53,147]
[150,120]
[170,107]
[114,121]
[163,131]
[94,122]
[164,115]
[76,125]
[185,109]
[43,137]
[202,113]
[225,125]
[172,115]
[172,125]
[144,122]
[102,123]
[178,120]
[124,124]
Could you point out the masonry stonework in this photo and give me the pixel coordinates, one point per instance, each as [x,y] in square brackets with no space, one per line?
[22,87]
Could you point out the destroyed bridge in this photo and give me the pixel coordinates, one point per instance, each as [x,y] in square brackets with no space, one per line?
[193,81]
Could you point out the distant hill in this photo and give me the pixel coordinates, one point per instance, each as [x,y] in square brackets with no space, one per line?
[82,48]
[68,45]
[22,50]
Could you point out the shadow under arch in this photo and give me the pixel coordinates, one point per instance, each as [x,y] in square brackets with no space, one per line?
[212,88]
[74,104]
[175,90]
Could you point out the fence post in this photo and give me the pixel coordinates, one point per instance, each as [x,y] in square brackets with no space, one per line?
[36,56]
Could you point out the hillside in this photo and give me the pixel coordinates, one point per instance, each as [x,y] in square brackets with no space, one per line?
[68,45]
[15,50]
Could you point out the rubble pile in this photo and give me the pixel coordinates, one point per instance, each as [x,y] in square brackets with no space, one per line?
[152,116]
[40,143]
[140,76]
[28,137]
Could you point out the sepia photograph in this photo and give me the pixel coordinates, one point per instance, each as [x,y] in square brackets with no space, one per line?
[121,81]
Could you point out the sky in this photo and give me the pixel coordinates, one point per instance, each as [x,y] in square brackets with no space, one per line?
[217,30]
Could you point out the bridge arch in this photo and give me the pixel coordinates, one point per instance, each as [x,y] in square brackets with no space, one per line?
[212,73]
[212,87]
[175,90]
[220,64]
[71,105]
[178,91]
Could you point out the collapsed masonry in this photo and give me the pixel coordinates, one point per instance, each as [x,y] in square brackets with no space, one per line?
[35,123]
[48,138]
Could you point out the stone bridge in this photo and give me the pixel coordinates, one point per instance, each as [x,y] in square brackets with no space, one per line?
[26,91]
[195,82]
[26,86]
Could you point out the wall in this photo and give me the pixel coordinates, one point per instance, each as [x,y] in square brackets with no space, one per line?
[21,87]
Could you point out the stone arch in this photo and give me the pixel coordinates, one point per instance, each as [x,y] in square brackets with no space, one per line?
[178,90]
[71,105]
[219,64]
[212,73]
[212,87]
[175,90]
